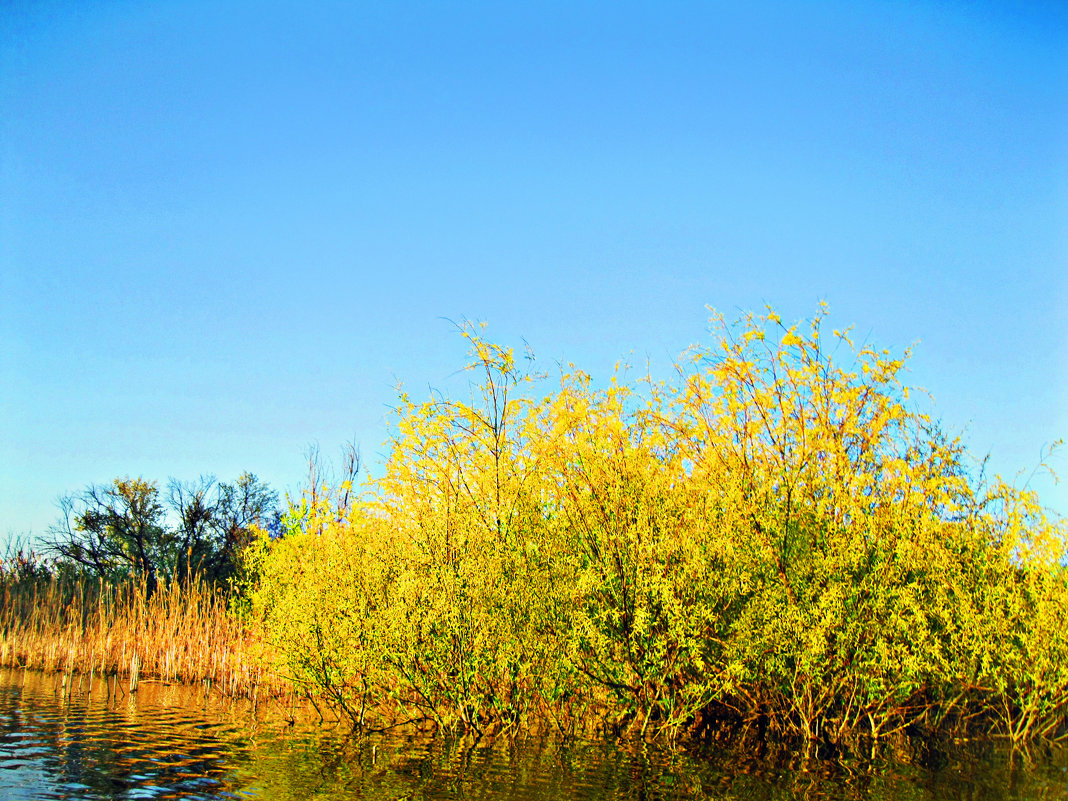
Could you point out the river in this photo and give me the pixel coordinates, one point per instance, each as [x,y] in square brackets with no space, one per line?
[182,742]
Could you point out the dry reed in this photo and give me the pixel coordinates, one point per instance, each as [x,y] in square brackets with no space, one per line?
[179,633]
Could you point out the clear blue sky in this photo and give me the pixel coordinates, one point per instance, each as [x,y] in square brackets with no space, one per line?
[227,229]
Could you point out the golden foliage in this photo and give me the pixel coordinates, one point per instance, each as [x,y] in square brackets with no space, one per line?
[774,537]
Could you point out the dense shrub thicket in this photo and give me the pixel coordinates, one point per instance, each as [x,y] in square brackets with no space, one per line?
[775,540]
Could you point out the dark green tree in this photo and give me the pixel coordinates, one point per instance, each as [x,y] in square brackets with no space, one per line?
[115,531]
[215,520]
[125,530]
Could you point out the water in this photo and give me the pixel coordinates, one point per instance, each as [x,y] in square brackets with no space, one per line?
[175,742]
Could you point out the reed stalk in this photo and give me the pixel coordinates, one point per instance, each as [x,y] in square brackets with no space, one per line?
[181,633]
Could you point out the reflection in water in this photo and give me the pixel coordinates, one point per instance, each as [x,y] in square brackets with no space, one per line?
[173,742]
[93,746]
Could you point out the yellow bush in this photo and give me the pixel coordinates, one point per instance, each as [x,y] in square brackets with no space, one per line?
[774,536]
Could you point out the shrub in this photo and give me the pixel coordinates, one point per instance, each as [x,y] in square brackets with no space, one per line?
[776,536]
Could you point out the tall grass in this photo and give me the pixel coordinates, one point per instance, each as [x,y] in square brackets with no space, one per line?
[178,633]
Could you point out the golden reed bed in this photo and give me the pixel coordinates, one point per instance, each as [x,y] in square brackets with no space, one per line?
[179,633]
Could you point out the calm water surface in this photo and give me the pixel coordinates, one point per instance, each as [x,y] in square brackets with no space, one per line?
[175,742]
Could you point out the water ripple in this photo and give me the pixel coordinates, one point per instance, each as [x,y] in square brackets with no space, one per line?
[170,742]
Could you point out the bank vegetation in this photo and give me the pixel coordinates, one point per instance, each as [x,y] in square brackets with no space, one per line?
[774,543]
[60,621]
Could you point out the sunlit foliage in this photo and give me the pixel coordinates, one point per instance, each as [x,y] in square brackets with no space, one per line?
[777,540]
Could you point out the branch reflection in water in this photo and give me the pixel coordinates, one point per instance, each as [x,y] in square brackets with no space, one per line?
[58,740]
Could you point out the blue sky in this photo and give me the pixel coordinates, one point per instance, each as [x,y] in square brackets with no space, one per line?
[228,230]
